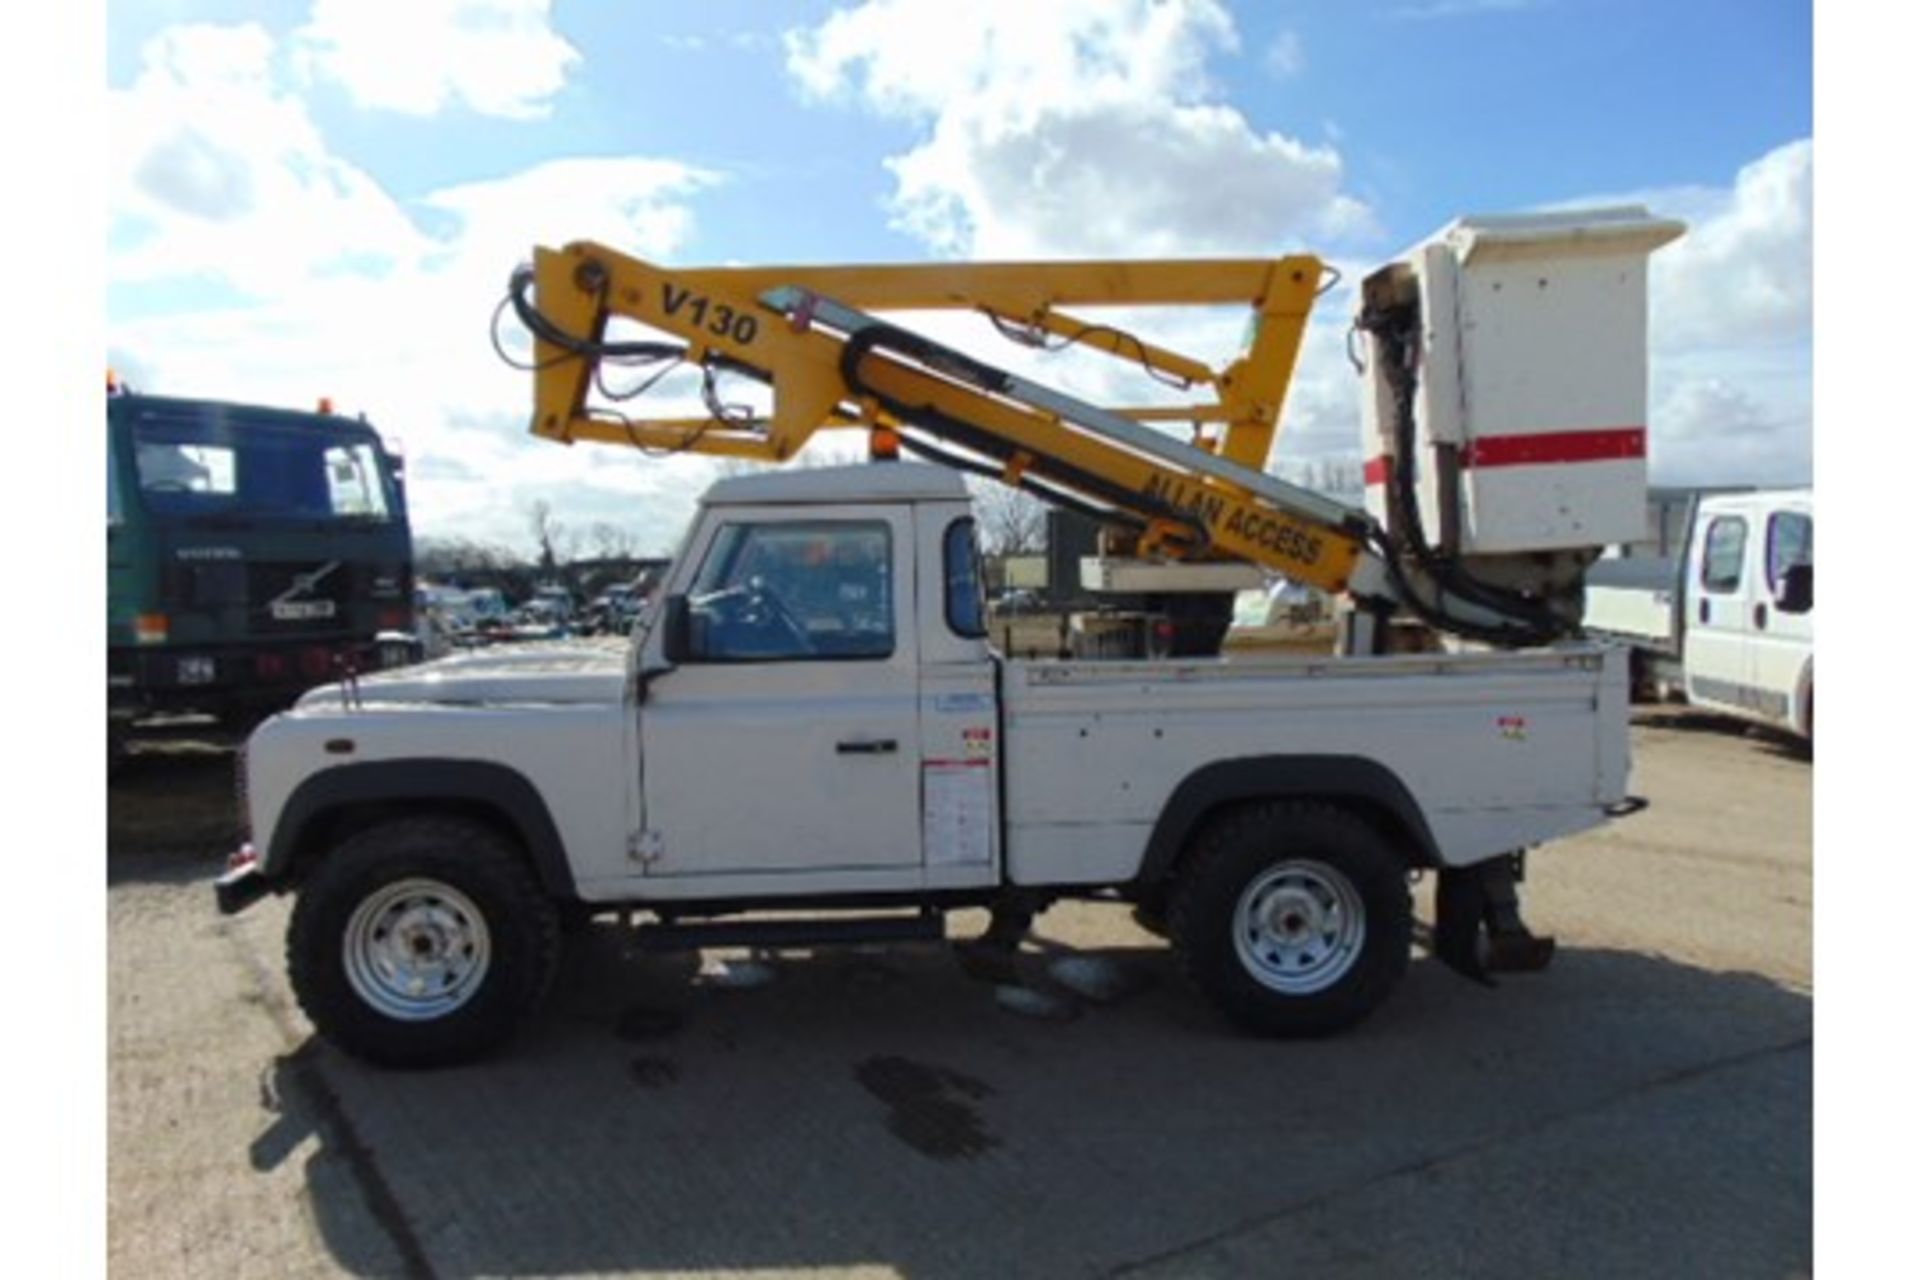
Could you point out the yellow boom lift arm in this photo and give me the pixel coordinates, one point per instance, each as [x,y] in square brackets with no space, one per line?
[811,334]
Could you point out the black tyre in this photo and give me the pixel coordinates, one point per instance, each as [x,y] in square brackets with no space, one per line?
[421,942]
[1294,918]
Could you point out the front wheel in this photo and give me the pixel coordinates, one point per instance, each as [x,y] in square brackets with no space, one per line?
[421,942]
[1294,918]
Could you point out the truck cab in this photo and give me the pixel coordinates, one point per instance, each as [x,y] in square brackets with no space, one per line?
[251,553]
[824,648]
[1749,608]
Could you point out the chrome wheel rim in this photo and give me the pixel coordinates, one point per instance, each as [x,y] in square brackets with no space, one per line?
[416,949]
[1299,927]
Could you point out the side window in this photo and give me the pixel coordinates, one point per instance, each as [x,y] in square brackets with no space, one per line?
[353,482]
[966,614]
[1724,554]
[1789,542]
[784,592]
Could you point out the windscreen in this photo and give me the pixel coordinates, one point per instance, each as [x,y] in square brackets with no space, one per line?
[261,470]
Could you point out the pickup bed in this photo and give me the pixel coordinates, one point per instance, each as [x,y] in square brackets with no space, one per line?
[811,720]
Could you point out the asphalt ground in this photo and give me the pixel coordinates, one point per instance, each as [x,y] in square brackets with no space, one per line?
[1643,1108]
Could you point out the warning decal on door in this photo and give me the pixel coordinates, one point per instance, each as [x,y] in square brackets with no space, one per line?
[958,808]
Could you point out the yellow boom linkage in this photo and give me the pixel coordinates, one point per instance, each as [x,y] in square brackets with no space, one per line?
[810,334]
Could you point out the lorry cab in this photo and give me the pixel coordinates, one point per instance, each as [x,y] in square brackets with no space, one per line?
[1749,608]
[250,551]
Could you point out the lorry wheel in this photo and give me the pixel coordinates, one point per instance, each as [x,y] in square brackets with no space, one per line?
[421,942]
[1294,918]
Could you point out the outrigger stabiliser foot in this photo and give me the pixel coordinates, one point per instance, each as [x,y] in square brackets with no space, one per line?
[1477,927]
[994,955]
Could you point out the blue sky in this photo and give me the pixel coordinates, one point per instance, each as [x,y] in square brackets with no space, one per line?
[317,197]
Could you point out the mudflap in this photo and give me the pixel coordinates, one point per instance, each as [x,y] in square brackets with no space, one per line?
[1477,928]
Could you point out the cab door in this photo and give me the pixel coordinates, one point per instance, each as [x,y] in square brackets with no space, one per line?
[786,741]
[1721,598]
[1782,642]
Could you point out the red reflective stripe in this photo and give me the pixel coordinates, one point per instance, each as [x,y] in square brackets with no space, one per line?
[1602,444]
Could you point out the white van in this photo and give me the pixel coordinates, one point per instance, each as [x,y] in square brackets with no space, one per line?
[1729,621]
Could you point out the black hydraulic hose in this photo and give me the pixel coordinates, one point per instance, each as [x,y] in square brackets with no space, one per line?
[519,291]
[1052,472]
[1532,623]
[1045,492]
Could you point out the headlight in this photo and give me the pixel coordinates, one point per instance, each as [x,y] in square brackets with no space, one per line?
[195,670]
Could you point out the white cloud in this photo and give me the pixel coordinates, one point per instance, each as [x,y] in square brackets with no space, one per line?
[1731,328]
[1077,128]
[1712,430]
[1744,272]
[220,174]
[1092,129]
[1286,57]
[634,202]
[418,57]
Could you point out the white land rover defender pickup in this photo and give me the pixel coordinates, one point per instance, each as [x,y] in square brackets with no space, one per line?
[812,719]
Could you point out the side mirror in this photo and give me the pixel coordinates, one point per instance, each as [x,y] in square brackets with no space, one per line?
[1794,594]
[675,627]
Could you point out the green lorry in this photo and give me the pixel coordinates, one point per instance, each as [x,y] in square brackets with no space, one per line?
[252,553]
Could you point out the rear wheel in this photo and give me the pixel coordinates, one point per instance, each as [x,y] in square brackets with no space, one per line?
[1294,918]
[421,942]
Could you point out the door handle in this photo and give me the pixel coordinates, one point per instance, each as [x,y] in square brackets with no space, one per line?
[1705,611]
[1760,617]
[867,747]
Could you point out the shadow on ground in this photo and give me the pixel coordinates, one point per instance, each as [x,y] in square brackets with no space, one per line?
[171,809]
[1775,742]
[1623,1114]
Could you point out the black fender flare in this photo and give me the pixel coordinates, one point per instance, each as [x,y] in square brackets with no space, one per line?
[1351,780]
[503,791]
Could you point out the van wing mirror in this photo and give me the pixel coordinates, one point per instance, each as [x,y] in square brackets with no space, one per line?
[1794,594]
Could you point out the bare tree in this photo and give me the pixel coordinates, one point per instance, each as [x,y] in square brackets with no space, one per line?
[548,534]
[1012,521]
[1336,475]
[610,541]
[467,563]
